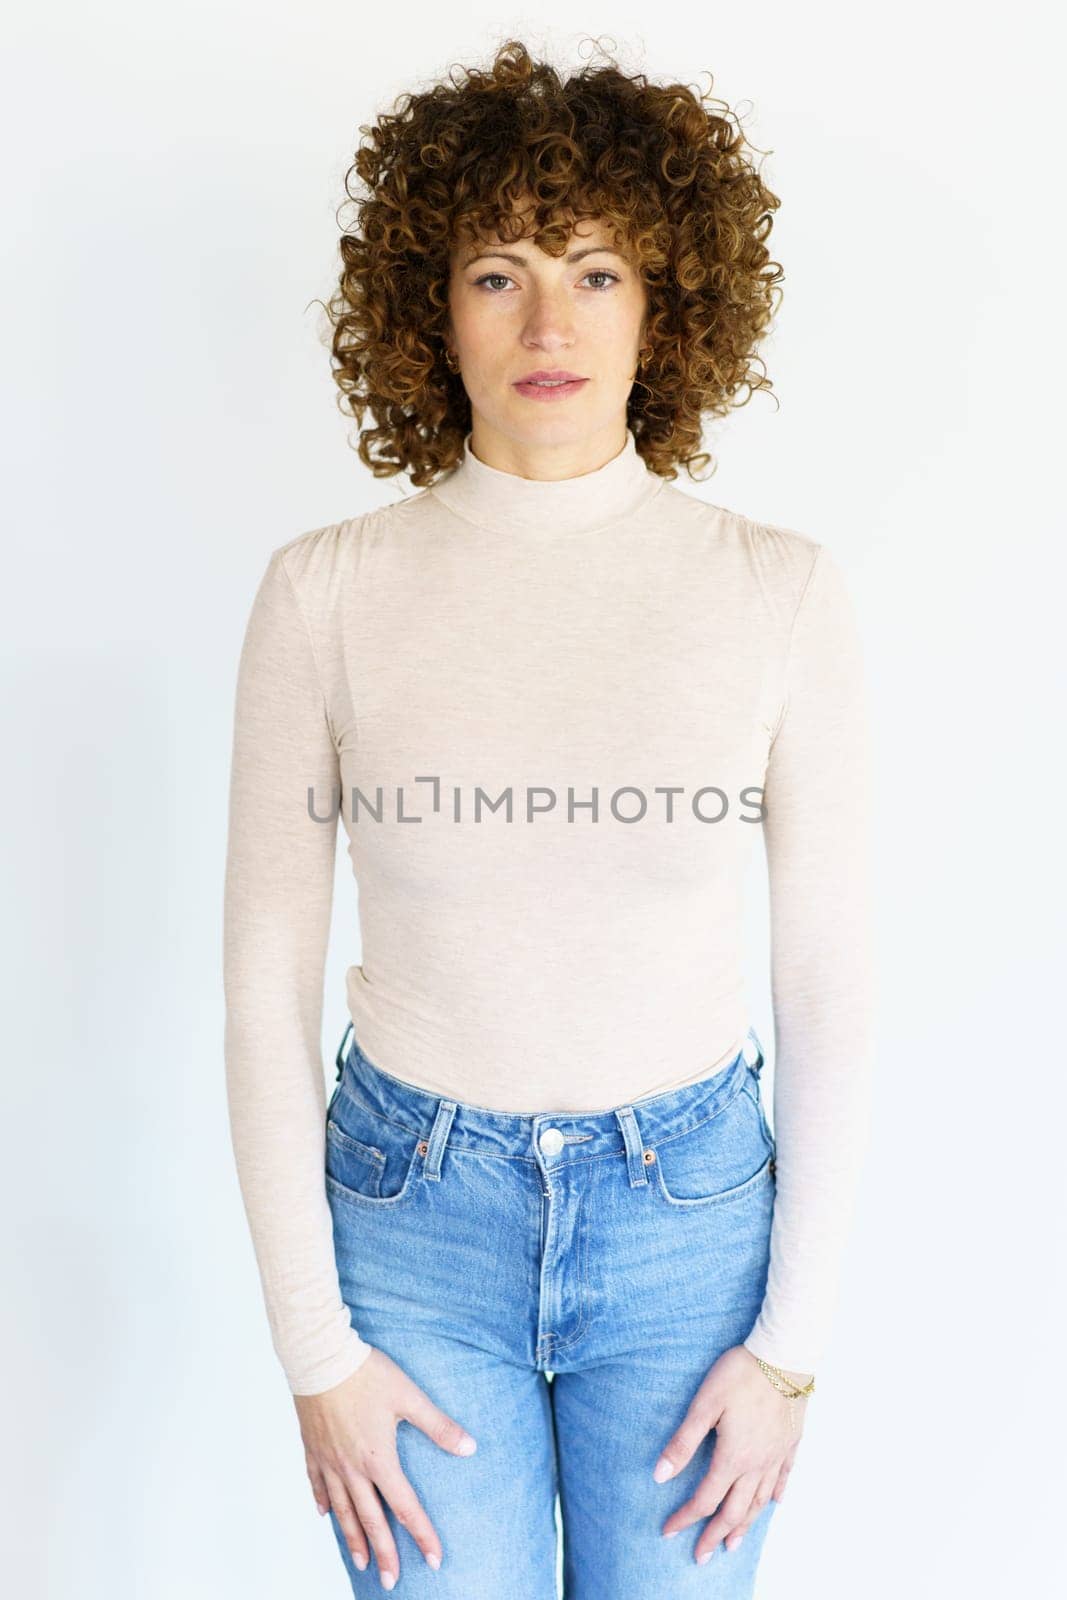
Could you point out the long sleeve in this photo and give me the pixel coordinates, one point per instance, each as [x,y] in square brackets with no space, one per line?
[816,835]
[277,907]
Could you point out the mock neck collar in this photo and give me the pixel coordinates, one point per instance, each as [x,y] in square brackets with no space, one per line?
[540,507]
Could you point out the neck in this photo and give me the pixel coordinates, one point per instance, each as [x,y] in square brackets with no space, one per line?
[542,507]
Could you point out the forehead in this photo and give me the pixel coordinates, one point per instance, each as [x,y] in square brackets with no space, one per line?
[585,235]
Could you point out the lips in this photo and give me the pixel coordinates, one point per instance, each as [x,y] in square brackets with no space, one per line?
[549,385]
[556,375]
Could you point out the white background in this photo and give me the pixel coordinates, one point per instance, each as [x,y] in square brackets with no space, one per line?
[171,179]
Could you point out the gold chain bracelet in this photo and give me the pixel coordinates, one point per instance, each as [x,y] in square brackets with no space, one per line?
[785,1385]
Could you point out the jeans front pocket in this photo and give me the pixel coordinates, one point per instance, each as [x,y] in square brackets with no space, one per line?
[370,1160]
[723,1158]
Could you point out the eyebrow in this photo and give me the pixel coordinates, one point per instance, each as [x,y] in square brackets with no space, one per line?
[523,261]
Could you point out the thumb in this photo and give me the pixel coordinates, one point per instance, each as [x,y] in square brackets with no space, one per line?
[436,1424]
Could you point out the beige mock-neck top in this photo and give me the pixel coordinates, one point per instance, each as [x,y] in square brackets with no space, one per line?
[550,709]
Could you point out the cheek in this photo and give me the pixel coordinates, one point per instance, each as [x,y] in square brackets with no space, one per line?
[481,338]
[618,323]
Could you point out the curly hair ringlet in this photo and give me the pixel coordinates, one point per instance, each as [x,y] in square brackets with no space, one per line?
[500,148]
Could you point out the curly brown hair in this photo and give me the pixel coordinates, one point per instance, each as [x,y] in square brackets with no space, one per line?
[663,166]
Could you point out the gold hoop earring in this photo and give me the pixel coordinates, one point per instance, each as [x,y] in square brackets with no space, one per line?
[644,355]
[451,360]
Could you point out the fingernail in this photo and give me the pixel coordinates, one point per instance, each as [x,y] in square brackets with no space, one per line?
[673,1533]
[703,1560]
[435,1560]
[467,1446]
[662,1470]
[361,1562]
[388,1580]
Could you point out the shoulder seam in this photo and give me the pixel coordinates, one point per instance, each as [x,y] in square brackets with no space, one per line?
[762,526]
[280,555]
[310,533]
[804,592]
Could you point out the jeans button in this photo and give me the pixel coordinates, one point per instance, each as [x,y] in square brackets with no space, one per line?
[551,1142]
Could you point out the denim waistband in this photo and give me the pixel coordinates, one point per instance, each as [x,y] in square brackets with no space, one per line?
[439,1119]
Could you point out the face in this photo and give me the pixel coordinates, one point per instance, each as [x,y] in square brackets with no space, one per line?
[517,311]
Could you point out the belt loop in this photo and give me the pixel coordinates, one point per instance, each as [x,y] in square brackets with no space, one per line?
[442,1123]
[631,1133]
[341,1052]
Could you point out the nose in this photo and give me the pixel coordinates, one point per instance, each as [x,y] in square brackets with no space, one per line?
[549,328]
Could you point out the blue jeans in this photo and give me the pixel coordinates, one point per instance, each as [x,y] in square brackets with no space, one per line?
[559,1284]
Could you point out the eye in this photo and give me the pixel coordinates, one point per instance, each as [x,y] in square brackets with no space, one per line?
[595,272]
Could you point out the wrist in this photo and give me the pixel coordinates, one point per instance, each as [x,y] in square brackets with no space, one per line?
[788,1381]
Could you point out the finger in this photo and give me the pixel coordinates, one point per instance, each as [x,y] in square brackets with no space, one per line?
[703,1414]
[786,1469]
[729,1516]
[318,1485]
[436,1424]
[708,1494]
[760,1499]
[783,1478]
[345,1513]
[410,1514]
[376,1527]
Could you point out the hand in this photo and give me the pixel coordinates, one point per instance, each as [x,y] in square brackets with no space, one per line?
[755,1446]
[349,1435]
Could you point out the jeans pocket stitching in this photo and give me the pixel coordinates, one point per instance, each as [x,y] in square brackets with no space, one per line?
[379,1159]
[763,1175]
[359,1147]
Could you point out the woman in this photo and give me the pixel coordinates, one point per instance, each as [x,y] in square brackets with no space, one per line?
[543,1219]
